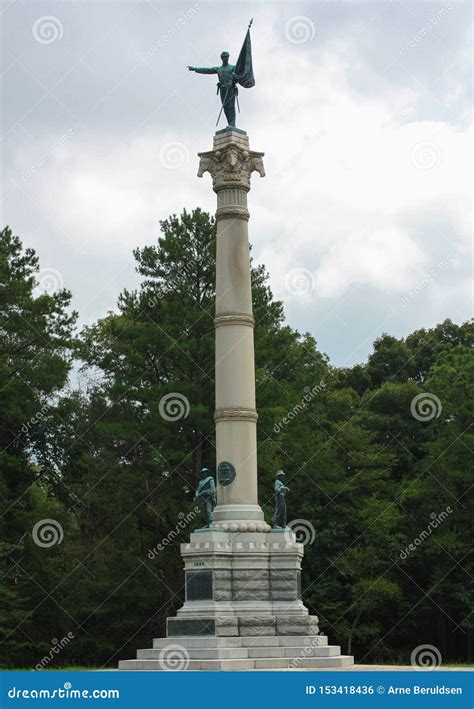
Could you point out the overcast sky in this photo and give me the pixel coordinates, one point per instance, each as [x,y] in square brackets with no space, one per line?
[363,111]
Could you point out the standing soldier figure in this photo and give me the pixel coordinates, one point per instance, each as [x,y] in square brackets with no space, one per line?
[280,501]
[226,85]
[229,76]
[206,492]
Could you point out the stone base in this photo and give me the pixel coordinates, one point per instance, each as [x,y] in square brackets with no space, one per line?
[242,574]
[240,653]
[242,626]
[243,609]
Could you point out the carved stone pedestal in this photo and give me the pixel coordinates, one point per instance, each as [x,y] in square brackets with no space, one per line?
[242,609]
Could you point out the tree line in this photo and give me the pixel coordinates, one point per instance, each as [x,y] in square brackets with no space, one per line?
[98,469]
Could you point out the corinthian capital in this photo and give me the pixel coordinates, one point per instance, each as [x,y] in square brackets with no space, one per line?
[231,165]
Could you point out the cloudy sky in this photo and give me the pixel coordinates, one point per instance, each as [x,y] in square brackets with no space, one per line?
[363,111]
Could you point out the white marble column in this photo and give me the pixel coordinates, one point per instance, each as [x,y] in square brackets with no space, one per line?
[231,164]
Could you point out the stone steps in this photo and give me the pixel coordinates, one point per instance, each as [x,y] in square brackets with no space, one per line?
[271,663]
[227,653]
[189,642]
[268,663]
[209,653]
[292,652]
[244,653]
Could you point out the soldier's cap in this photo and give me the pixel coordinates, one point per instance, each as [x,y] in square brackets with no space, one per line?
[204,470]
[280,472]
[225,54]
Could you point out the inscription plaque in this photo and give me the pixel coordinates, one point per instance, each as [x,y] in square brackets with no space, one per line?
[191,626]
[199,585]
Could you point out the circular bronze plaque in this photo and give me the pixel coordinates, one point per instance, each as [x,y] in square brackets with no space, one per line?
[225,473]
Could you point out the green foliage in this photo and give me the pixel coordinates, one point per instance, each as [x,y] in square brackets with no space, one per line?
[117,475]
[35,356]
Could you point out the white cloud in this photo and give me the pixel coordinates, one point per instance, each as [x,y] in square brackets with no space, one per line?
[355,181]
[386,259]
[356,178]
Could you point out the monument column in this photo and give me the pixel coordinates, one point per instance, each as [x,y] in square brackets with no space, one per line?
[231,164]
[242,608]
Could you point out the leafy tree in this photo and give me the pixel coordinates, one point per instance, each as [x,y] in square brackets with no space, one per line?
[35,358]
[114,462]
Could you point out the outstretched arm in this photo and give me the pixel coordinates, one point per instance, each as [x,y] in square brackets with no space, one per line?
[203,69]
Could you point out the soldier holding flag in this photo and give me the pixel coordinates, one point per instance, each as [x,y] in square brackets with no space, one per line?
[229,76]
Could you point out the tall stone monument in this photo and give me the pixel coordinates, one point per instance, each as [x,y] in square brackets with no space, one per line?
[243,607]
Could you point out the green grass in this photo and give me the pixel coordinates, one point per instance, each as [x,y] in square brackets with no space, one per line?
[72,668]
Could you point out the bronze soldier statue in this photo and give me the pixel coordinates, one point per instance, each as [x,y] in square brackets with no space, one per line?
[226,85]
[229,76]
[280,501]
[206,493]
